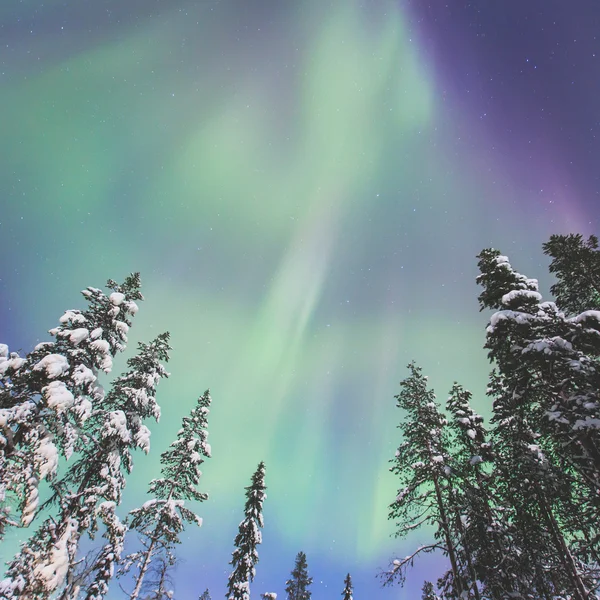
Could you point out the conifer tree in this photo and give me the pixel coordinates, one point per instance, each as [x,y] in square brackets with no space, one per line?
[348,589]
[534,341]
[526,482]
[575,415]
[429,592]
[297,586]
[205,595]
[486,531]
[160,520]
[269,596]
[576,264]
[526,342]
[92,485]
[245,555]
[46,397]
[422,466]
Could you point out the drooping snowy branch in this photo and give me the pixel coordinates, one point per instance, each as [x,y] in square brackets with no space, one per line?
[398,566]
[47,397]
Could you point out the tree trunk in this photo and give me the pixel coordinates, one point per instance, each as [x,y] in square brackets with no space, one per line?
[148,554]
[486,503]
[580,591]
[467,550]
[449,544]
[143,570]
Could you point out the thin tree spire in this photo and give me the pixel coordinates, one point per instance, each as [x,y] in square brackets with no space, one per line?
[245,555]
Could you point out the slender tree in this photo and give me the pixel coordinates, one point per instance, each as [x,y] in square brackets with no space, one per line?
[485,523]
[297,586]
[245,555]
[525,481]
[348,589]
[160,521]
[422,466]
[205,595]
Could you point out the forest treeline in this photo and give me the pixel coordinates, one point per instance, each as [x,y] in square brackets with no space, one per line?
[514,506]
[59,426]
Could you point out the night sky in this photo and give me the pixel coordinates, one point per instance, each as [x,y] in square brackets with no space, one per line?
[304,187]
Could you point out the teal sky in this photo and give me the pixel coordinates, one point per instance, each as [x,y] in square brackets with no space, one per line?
[304,195]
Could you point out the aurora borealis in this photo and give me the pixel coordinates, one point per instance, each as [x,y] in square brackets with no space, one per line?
[304,187]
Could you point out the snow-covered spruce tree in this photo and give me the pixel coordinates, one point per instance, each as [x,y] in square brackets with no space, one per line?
[576,265]
[131,400]
[561,357]
[517,419]
[429,592]
[297,586]
[245,556]
[422,466]
[527,342]
[348,589]
[91,487]
[269,596]
[485,523]
[205,595]
[557,356]
[46,397]
[160,520]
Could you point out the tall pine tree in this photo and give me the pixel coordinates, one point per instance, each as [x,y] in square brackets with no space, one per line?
[486,529]
[245,555]
[297,586]
[160,521]
[422,466]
